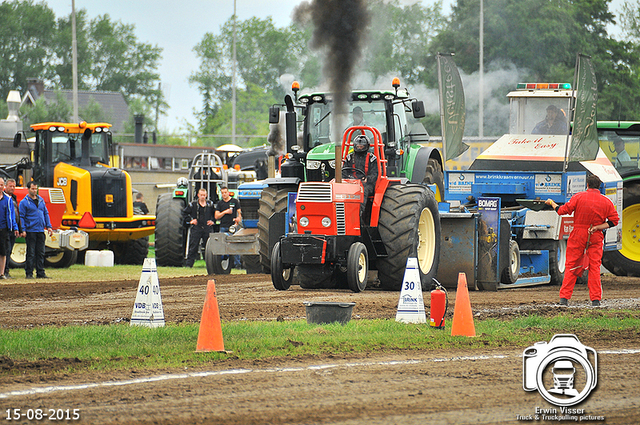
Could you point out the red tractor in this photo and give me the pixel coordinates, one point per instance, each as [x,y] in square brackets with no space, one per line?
[332,246]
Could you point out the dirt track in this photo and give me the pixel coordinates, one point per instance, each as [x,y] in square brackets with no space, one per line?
[384,387]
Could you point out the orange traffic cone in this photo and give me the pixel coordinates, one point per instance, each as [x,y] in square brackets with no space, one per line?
[210,333]
[462,316]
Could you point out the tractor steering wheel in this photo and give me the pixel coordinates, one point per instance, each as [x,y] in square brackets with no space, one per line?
[354,170]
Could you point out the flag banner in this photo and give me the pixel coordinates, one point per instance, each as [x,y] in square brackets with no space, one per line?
[452,107]
[584,138]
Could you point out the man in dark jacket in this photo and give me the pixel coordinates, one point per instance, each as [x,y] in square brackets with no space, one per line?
[35,219]
[199,214]
[229,213]
[10,189]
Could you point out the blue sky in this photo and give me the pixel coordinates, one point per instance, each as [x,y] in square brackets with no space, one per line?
[177,26]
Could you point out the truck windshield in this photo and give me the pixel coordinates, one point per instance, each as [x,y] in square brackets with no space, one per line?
[360,113]
[67,147]
[621,147]
[543,115]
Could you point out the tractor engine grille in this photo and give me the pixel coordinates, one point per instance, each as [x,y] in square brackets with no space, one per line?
[340,219]
[315,192]
[109,195]
[249,209]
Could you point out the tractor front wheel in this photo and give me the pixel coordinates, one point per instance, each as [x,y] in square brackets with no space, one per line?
[409,226]
[357,267]
[280,276]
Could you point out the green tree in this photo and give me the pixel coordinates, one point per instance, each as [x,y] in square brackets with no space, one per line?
[251,118]
[400,38]
[263,54]
[27,31]
[542,38]
[119,62]
[63,50]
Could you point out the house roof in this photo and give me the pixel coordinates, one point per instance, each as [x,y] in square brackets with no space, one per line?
[112,103]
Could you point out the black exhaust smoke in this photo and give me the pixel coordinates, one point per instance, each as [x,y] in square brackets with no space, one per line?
[340,27]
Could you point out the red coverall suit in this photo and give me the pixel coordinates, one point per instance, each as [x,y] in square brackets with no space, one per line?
[590,208]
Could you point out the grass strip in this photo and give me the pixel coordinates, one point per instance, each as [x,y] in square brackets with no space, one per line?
[121,346]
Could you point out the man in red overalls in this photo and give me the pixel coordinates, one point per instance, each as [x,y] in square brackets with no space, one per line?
[593,212]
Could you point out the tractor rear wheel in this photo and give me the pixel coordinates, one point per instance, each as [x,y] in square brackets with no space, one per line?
[626,261]
[131,252]
[272,201]
[252,264]
[435,175]
[409,227]
[169,243]
[317,276]
[62,259]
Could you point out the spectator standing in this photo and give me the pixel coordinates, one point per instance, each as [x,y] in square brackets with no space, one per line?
[199,214]
[139,203]
[592,213]
[229,213]
[35,220]
[8,225]
[10,189]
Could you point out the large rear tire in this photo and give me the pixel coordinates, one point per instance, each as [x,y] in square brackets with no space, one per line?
[316,276]
[169,243]
[62,259]
[626,261]
[272,201]
[435,175]
[409,227]
[252,264]
[131,252]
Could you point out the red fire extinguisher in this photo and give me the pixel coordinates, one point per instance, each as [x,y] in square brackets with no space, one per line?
[439,304]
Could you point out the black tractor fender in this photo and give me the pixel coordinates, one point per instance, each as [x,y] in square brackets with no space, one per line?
[419,166]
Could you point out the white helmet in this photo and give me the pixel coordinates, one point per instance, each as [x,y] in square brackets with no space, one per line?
[183,182]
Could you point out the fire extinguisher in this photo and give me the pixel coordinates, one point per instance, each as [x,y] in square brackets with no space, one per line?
[439,305]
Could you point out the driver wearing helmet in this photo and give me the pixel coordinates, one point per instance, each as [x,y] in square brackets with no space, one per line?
[364,161]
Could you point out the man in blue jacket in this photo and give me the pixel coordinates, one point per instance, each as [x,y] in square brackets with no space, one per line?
[35,219]
[8,226]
